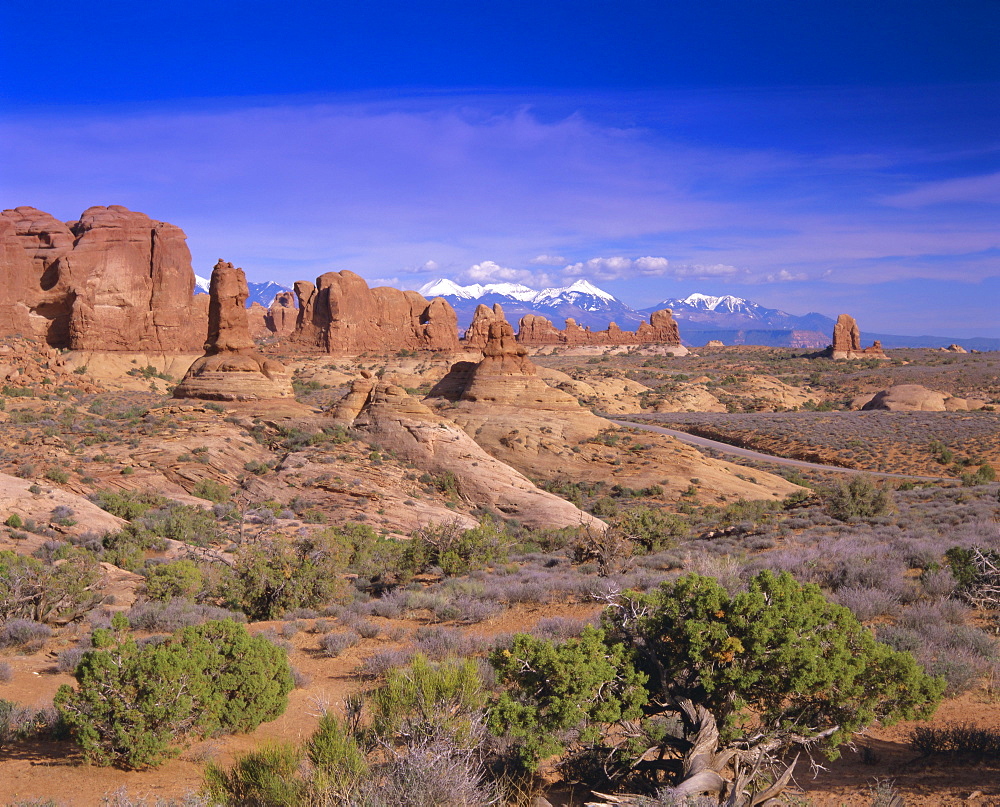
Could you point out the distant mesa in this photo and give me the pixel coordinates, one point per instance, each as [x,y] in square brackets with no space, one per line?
[231,370]
[847,342]
[340,314]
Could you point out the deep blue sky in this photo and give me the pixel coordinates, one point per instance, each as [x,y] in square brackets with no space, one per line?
[835,158]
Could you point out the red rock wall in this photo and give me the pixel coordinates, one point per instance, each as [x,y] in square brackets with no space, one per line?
[114,280]
[661,328]
[341,314]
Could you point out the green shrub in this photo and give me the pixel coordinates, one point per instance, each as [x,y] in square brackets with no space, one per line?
[427,700]
[271,577]
[179,578]
[338,761]
[133,703]
[15,521]
[266,777]
[858,498]
[127,504]
[212,490]
[57,475]
[559,693]
[30,589]
[456,551]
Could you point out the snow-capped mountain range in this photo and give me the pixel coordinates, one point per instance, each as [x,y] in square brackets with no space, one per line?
[263,293]
[581,301]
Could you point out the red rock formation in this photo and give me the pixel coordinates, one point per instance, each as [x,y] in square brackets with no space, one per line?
[114,280]
[230,370]
[478,331]
[661,329]
[507,376]
[282,314]
[847,341]
[341,314]
[258,321]
[536,330]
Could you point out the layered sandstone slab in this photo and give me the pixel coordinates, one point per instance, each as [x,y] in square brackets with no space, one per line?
[399,422]
[113,280]
[231,370]
[340,314]
[847,341]
[661,329]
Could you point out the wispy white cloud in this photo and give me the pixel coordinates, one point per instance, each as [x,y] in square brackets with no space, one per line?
[548,260]
[492,272]
[982,189]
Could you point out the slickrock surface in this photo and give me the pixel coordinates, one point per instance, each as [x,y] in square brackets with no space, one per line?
[661,328]
[340,314]
[231,370]
[847,341]
[917,398]
[397,421]
[114,280]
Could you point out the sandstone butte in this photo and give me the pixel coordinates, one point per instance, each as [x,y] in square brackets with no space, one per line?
[478,332]
[114,280]
[231,370]
[340,314]
[847,342]
[661,329]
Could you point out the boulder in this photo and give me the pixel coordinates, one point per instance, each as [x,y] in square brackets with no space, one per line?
[916,398]
[231,370]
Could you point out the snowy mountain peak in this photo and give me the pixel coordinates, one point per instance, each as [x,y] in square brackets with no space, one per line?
[201,284]
[708,303]
[449,288]
[442,287]
[586,287]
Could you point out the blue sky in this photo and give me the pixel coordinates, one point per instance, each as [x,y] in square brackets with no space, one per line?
[835,158]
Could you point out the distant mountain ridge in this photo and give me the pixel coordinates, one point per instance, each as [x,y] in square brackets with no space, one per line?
[263,293]
[581,301]
[702,317]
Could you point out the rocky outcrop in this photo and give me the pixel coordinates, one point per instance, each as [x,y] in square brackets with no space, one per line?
[399,422]
[507,376]
[504,404]
[230,370]
[114,280]
[340,314]
[917,398]
[282,314]
[257,322]
[478,332]
[661,328]
[847,342]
